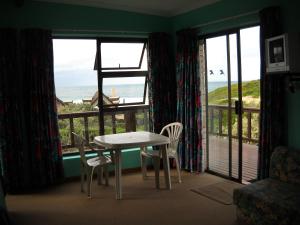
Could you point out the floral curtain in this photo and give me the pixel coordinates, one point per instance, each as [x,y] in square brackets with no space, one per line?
[162,82]
[12,127]
[272,95]
[188,99]
[4,218]
[31,149]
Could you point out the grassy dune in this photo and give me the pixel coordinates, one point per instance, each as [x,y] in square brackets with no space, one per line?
[250,94]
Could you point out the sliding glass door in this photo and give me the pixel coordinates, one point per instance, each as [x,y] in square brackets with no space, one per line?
[232,75]
[217,107]
[250,89]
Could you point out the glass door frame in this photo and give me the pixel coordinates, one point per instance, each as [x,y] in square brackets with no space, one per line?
[238,103]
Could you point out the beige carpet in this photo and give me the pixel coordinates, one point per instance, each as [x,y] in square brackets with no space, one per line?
[142,204]
[221,192]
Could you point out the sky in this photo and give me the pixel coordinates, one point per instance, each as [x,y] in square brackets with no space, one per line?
[74,59]
[74,62]
[250,55]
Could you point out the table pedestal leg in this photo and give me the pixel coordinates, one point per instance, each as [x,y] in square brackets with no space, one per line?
[118,172]
[163,150]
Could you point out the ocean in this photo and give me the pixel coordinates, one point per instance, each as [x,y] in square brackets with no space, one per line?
[128,93]
[211,86]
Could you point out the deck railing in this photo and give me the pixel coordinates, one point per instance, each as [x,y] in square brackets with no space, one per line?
[132,118]
[218,122]
[118,119]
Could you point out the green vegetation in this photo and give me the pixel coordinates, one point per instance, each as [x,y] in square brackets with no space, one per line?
[250,94]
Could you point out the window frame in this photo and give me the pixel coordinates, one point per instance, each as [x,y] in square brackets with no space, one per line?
[227,33]
[116,73]
[127,68]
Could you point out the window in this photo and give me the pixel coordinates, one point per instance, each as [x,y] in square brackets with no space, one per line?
[120,77]
[123,71]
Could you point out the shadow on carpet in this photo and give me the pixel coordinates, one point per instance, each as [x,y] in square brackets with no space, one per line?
[221,192]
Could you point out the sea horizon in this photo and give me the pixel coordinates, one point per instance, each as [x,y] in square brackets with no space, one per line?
[126,92]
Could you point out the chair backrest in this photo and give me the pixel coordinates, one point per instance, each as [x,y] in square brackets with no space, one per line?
[80,143]
[285,165]
[173,131]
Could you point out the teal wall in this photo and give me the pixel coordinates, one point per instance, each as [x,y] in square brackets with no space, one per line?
[292,24]
[130,159]
[218,11]
[294,119]
[60,16]
[231,8]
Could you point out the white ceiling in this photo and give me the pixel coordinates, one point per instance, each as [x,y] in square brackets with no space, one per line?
[165,8]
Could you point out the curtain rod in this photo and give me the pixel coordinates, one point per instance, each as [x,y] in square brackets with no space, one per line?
[100,31]
[225,19]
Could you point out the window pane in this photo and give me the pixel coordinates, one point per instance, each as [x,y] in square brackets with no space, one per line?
[121,55]
[76,84]
[124,89]
[217,84]
[75,77]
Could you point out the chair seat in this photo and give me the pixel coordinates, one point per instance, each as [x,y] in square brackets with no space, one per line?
[99,161]
[155,153]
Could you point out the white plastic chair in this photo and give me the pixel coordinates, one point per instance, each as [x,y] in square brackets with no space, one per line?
[173,131]
[87,166]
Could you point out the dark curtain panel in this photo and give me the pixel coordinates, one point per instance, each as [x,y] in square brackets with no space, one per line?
[272,125]
[12,126]
[188,99]
[32,156]
[4,218]
[162,82]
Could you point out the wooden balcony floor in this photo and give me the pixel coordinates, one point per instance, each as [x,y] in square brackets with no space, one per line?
[219,158]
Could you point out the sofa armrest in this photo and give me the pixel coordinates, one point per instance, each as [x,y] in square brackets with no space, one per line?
[285,165]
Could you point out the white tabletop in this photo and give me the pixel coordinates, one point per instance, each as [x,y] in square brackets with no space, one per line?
[131,139]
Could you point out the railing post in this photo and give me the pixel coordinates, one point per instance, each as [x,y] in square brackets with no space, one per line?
[130,121]
[86,128]
[113,120]
[249,117]
[146,119]
[211,120]
[72,130]
[220,121]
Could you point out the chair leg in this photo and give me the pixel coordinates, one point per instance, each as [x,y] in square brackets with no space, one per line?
[106,175]
[156,162]
[144,165]
[178,168]
[90,179]
[82,175]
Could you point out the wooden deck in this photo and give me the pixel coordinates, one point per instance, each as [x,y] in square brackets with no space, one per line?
[219,158]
